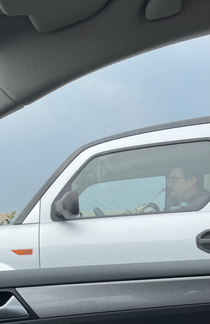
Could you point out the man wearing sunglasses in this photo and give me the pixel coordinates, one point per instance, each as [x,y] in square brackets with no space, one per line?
[185,184]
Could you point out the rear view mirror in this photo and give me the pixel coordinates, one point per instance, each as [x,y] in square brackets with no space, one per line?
[67,206]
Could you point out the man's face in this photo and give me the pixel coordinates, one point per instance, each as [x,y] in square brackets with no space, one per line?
[180,187]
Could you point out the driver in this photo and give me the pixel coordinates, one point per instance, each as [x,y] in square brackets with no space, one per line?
[185,184]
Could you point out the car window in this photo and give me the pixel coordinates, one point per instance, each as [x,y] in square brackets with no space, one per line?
[165,85]
[122,196]
[145,180]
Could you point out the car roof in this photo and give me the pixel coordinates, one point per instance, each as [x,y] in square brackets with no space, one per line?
[45,45]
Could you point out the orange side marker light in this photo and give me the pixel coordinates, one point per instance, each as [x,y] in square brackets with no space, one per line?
[23,252]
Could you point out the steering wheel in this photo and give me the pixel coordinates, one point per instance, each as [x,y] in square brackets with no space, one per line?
[98,212]
[154,209]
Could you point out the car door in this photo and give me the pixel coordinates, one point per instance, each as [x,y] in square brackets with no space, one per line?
[19,248]
[116,178]
[127,294]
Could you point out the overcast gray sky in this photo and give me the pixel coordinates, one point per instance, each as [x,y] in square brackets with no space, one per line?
[165,85]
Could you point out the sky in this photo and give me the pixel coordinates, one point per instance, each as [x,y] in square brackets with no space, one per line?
[169,84]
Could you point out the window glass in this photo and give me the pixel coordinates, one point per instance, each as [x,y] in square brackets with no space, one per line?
[148,180]
[166,85]
[115,197]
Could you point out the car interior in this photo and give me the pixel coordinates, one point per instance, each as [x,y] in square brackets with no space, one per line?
[45,45]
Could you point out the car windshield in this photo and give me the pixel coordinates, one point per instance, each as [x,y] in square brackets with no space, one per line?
[169,84]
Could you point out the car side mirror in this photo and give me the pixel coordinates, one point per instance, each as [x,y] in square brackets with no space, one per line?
[67,206]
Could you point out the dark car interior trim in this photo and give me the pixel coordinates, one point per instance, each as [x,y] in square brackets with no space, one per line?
[190,314]
[43,62]
[13,292]
[181,270]
[48,16]
[99,297]
[104,273]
